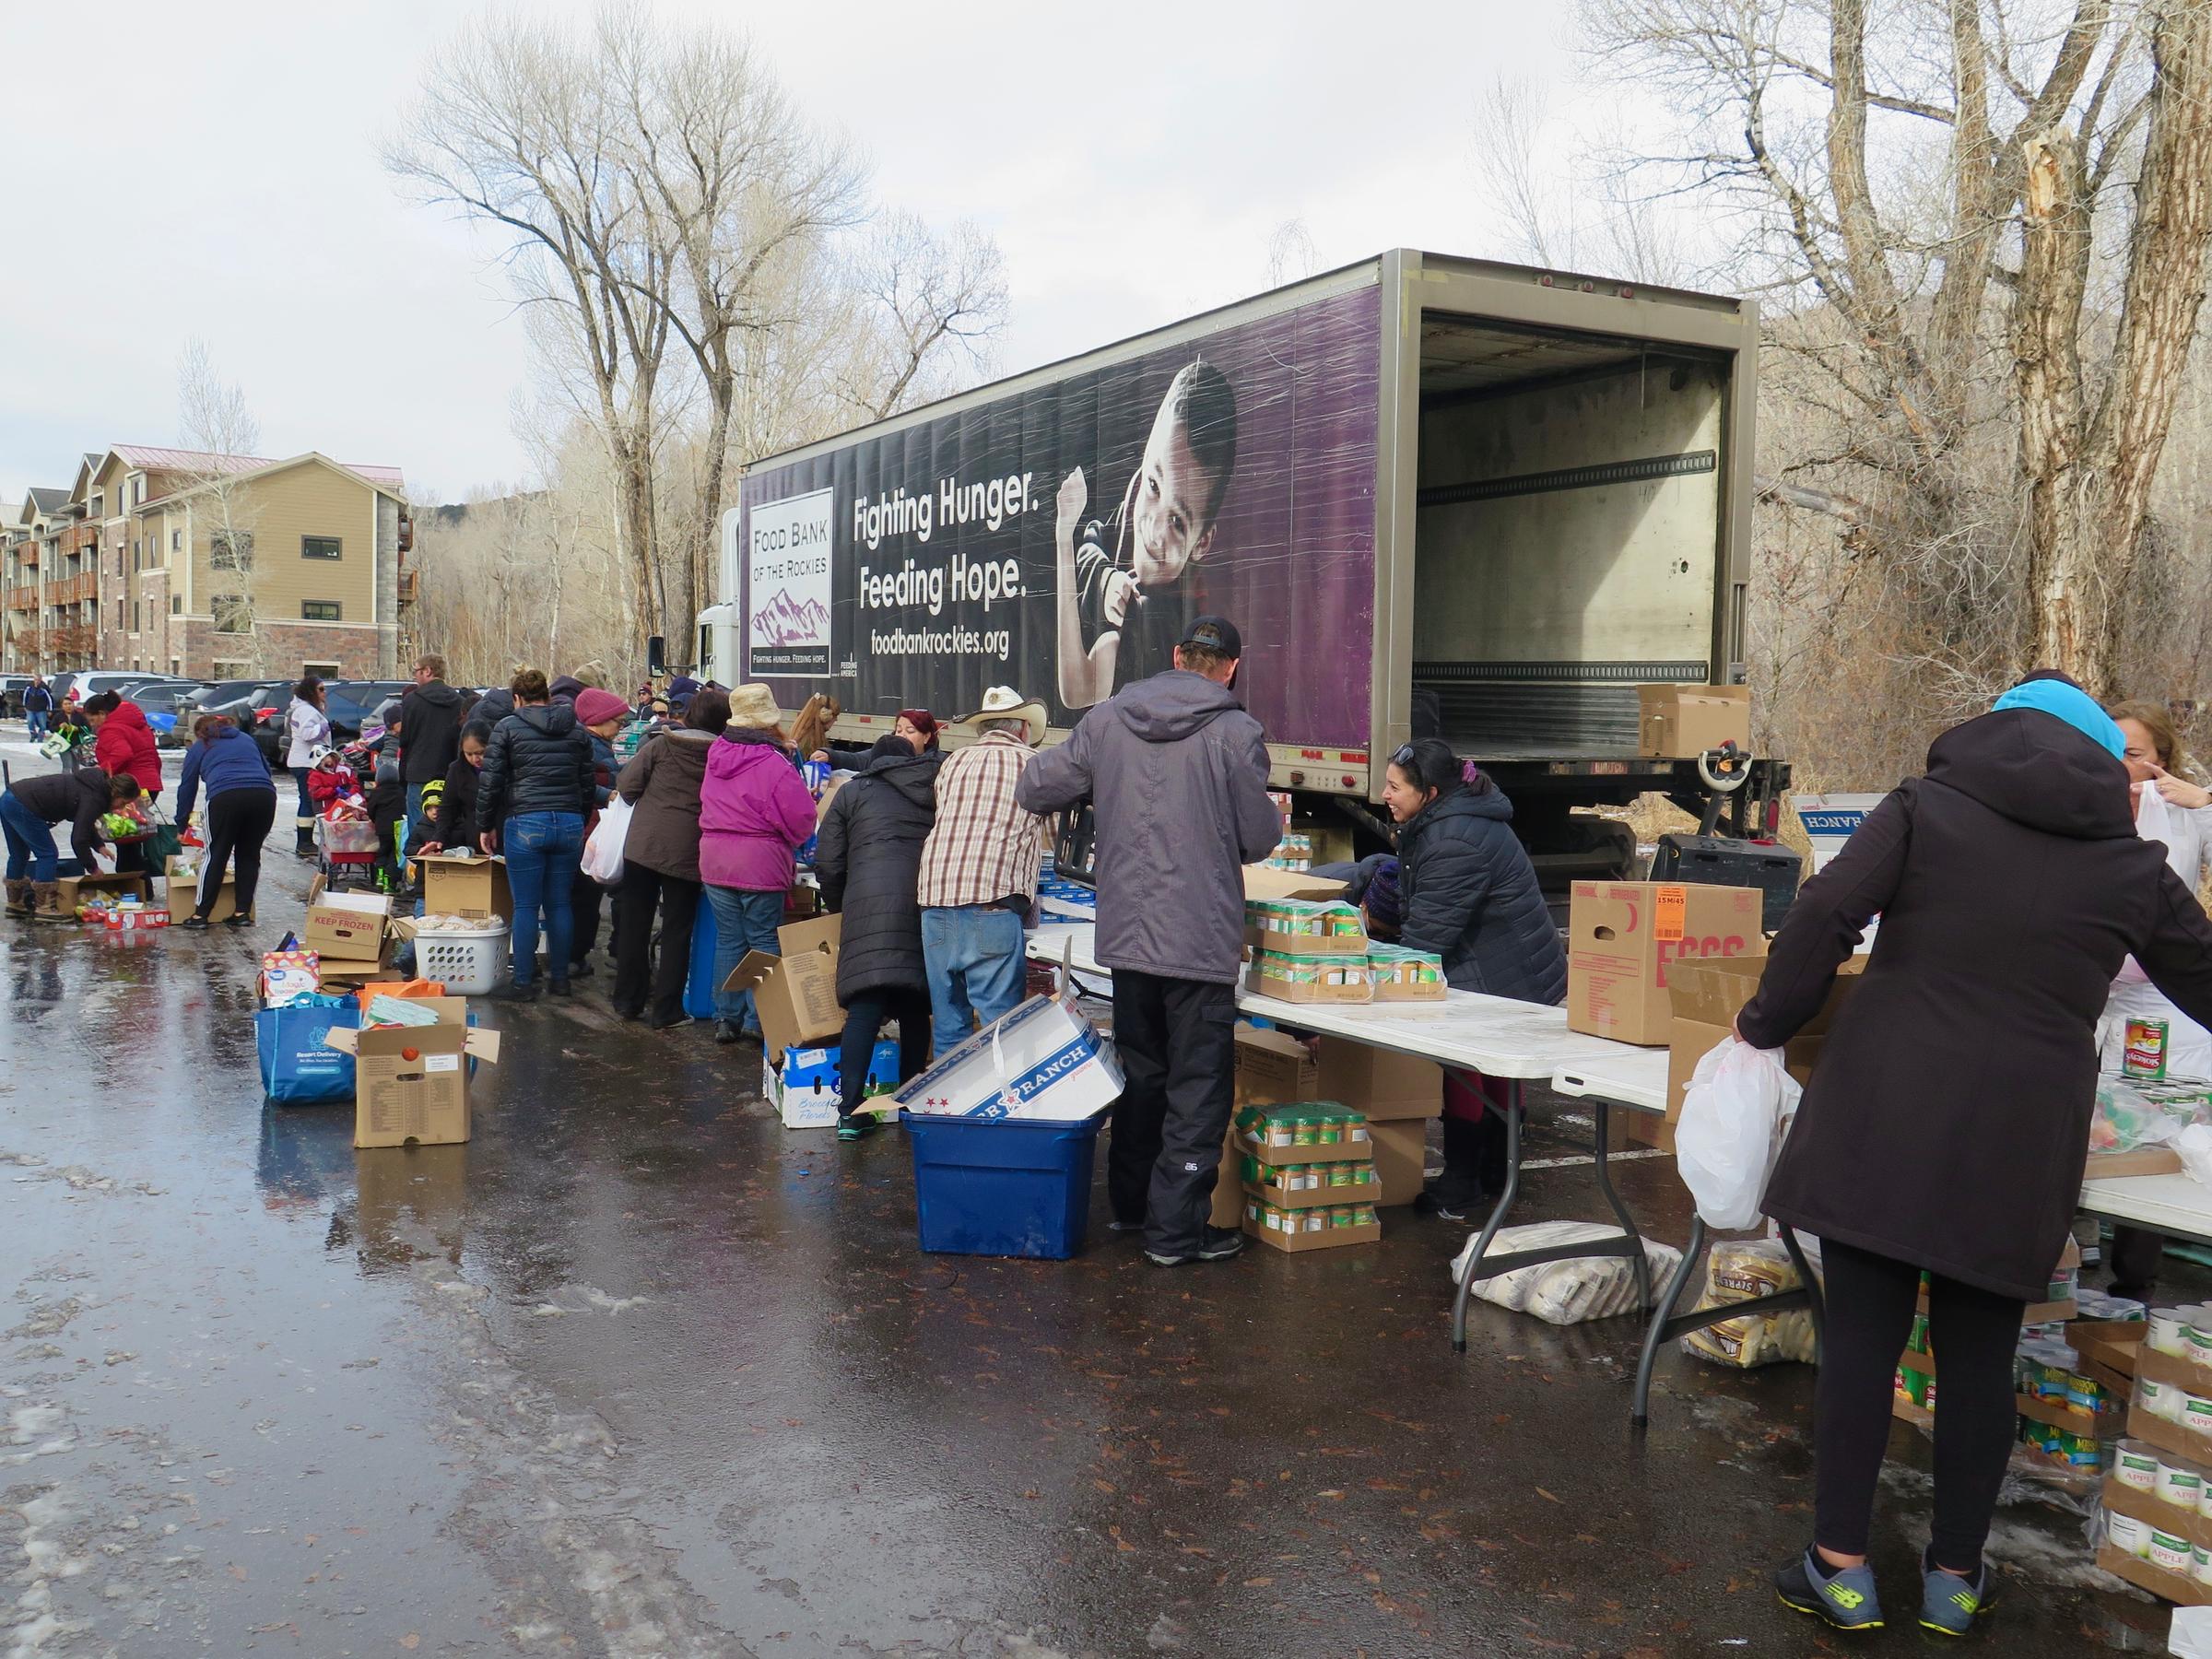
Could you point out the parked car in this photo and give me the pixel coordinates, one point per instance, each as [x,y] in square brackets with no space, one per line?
[11,694]
[165,709]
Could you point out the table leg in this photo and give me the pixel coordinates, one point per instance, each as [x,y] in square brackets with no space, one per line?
[1642,1262]
[1639,1403]
[1489,1230]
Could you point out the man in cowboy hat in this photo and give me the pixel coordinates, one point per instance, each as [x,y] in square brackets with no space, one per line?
[979,869]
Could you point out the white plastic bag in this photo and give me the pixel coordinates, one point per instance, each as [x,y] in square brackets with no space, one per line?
[1740,1100]
[602,858]
[1566,1292]
[2195,1145]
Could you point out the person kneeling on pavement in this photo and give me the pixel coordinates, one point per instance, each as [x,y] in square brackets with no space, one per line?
[1177,774]
[1468,893]
[28,813]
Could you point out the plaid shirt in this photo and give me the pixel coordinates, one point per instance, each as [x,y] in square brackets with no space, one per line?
[984,848]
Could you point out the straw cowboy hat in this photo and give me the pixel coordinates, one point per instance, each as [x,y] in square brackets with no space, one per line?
[1002,702]
[754,706]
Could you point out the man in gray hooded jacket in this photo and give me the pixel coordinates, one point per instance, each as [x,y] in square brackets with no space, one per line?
[1178,774]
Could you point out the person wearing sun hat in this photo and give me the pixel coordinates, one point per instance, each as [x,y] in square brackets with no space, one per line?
[753,814]
[979,869]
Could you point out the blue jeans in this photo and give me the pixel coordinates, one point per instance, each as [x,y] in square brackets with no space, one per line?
[36,720]
[743,921]
[30,848]
[304,813]
[418,831]
[542,849]
[975,959]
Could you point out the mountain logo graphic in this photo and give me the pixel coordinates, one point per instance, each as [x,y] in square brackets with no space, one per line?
[786,622]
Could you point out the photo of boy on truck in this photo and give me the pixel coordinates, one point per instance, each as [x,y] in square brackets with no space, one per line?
[1164,526]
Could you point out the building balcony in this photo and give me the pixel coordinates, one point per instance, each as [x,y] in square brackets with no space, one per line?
[71,589]
[410,586]
[23,599]
[78,537]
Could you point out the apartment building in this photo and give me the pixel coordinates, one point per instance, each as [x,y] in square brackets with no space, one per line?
[222,567]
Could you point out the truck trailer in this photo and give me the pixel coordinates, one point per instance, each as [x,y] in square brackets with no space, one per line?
[1438,496]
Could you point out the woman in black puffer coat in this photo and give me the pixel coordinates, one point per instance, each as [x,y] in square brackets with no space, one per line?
[868,860]
[1469,894]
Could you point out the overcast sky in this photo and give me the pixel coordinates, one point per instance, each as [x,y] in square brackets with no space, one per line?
[212,170]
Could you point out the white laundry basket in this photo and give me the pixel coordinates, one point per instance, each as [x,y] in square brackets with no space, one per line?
[465,960]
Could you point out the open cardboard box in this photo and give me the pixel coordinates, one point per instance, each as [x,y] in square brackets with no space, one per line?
[1705,997]
[75,889]
[348,926]
[1680,722]
[1399,1094]
[462,883]
[1328,1238]
[1259,882]
[411,1082]
[795,994]
[183,891]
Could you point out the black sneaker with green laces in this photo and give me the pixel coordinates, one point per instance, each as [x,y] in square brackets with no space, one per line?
[1844,1596]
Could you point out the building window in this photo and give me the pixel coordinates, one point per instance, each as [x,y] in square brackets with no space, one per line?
[320,546]
[233,614]
[322,671]
[176,604]
[230,549]
[173,662]
[135,624]
[318,610]
[176,541]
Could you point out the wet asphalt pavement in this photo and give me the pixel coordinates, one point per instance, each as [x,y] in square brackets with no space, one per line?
[638,1372]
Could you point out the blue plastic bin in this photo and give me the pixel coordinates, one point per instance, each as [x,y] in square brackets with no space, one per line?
[1008,1187]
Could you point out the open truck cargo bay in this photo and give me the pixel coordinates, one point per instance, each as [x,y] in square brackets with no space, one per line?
[1435,493]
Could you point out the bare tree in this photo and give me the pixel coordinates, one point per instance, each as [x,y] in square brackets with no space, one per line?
[731,181]
[519,126]
[931,304]
[215,420]
[1291,254]
[1986,228]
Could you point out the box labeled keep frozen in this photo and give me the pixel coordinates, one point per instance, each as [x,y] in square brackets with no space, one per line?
[345,926]
[1043,1061]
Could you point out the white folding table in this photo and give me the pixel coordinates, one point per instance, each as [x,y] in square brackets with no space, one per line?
[2173,1204]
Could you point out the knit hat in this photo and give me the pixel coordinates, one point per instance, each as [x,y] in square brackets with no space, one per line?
[567,686]
[1383,908]
[2059,697]
[593,706]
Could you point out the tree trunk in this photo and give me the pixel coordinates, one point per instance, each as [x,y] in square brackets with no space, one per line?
[2062,555]
[2165,291]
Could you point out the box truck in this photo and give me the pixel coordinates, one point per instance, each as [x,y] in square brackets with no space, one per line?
[1438,496]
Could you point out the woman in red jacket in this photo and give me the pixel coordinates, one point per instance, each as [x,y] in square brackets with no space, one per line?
[123,746]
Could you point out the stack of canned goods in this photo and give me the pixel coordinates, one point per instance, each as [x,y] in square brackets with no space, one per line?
[1307,1178]
[1316,1124]
[2175,1482]
[1316,1218]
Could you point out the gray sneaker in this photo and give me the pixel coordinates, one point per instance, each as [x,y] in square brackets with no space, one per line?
[1844,1596]
[1215,1244]
[1951,1605]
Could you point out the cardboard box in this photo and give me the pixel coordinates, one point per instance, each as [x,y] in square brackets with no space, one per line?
[1273,1068]
[2116,1344]
[805,1088]
[1624,938]
[1310,979]
[183,891]
[75,889]
[2166,1586]
[1401,1154]
[1259,882]
[1328,1240]
[458,885]
[1320,1197]
[344,926]
[349,973]
[1706,997]
[795,993]
[1267,928]
[1404,975]
[2147,1161]
[1043,1062]
[411,1082]
[1378,1082]
[1680,722]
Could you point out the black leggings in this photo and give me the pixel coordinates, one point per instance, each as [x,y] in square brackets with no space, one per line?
[238,822]
[864,1015]
[1870,1305]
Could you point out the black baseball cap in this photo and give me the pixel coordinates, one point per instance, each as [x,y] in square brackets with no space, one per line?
[1215,633]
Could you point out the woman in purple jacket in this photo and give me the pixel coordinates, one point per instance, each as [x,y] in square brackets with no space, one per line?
[753,814]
